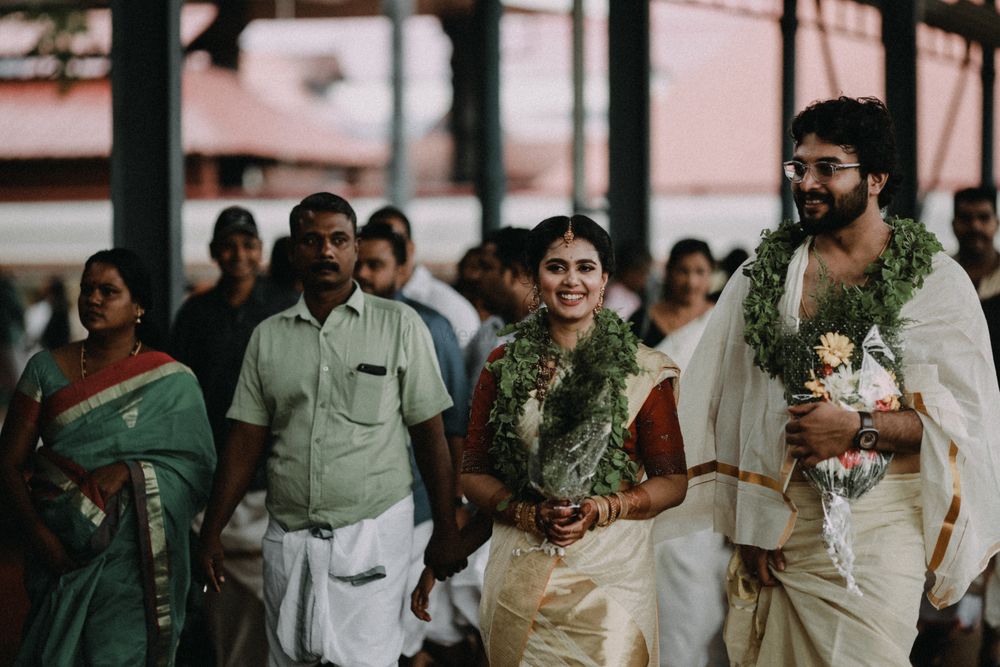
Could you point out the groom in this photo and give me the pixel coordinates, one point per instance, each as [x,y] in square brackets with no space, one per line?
[935,509]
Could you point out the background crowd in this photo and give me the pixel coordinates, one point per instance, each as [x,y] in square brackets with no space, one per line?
[488,289]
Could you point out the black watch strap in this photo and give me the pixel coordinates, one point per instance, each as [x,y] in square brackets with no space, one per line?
[867,435]
[867,421]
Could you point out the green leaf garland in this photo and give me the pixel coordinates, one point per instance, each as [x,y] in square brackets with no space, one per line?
[893,277]
[605,357]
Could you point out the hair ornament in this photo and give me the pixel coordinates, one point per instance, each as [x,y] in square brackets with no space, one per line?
[568,235]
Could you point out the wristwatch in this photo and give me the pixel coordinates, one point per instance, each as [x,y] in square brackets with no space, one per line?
[867,436]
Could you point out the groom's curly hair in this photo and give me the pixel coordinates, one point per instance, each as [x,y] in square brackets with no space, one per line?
[863,126]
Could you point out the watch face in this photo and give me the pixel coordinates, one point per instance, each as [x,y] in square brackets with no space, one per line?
[867,439]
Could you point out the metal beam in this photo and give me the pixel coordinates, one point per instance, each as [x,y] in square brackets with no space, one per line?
[975,22]
[988,77]
[899,35]
[628,121]
[789,27]
[491,180]
[579,111]
[399,167]
[147,164]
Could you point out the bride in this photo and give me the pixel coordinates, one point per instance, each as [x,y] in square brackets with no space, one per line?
[588,599]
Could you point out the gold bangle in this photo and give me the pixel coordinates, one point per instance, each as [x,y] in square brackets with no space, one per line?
[603,510]
[602,515]
[626,506]
[524,517]
[533,526]
[616,508]
[597,509]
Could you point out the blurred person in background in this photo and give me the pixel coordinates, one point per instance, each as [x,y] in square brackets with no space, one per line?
[126,461]
[11,335]
[626,291]
[421,286]
[468,279]
[954,635]
[381,258]
[506,287]
[280,269]
[690,570]
[46,322]
[682,313]
[975,226]
[210,334]
[728,265]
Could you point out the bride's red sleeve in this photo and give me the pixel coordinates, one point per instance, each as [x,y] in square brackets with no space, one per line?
[476,456]
[659,444]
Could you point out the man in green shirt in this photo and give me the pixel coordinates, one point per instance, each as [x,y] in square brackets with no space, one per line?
[338,380]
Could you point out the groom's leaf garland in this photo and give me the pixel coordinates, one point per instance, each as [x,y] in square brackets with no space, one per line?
[892,278]
[603,359]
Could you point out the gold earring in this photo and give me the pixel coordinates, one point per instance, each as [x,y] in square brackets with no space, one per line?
[536,299]
[600,302]
[138,317]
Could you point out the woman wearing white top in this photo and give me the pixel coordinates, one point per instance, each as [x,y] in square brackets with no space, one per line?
[690,570]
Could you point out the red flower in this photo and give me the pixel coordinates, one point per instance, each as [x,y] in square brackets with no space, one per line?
[827,369]
[850,458]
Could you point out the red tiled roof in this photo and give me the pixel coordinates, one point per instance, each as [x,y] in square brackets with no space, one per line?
[219,117]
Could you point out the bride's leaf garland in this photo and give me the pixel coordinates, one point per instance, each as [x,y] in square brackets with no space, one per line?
[892,277]
[601,360]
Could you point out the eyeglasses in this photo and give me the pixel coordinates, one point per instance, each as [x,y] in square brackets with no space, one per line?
[795,171]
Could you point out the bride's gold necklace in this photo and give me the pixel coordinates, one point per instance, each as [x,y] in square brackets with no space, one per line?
[83,355]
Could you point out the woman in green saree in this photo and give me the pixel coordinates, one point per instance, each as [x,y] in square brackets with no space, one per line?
[106,502]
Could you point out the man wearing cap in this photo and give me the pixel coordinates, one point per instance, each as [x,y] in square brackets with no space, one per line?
[210,334]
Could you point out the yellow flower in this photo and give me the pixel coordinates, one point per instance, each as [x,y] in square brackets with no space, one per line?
[817,388]
[834,349]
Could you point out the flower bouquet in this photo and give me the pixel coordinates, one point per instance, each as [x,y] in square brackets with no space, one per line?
[856,377]
[564,458]
[564,461]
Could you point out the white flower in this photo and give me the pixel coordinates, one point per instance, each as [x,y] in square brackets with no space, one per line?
[842,385]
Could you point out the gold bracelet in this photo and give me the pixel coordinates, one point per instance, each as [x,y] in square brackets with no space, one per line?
[603,510]
[524,517]
[626,506]
[533,526]
[616,508]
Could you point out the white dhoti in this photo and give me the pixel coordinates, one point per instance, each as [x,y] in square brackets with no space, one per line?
[811,618]
[453,604]
[336,596]
[691,592]
[415,630]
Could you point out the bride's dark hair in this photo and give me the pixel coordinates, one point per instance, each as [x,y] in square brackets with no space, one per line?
[550,229]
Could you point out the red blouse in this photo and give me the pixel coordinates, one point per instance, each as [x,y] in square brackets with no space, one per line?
[654,438]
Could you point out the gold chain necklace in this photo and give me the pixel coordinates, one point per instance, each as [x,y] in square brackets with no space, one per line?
[83,355]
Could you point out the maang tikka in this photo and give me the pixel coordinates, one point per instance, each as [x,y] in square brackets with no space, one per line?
[568,235]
